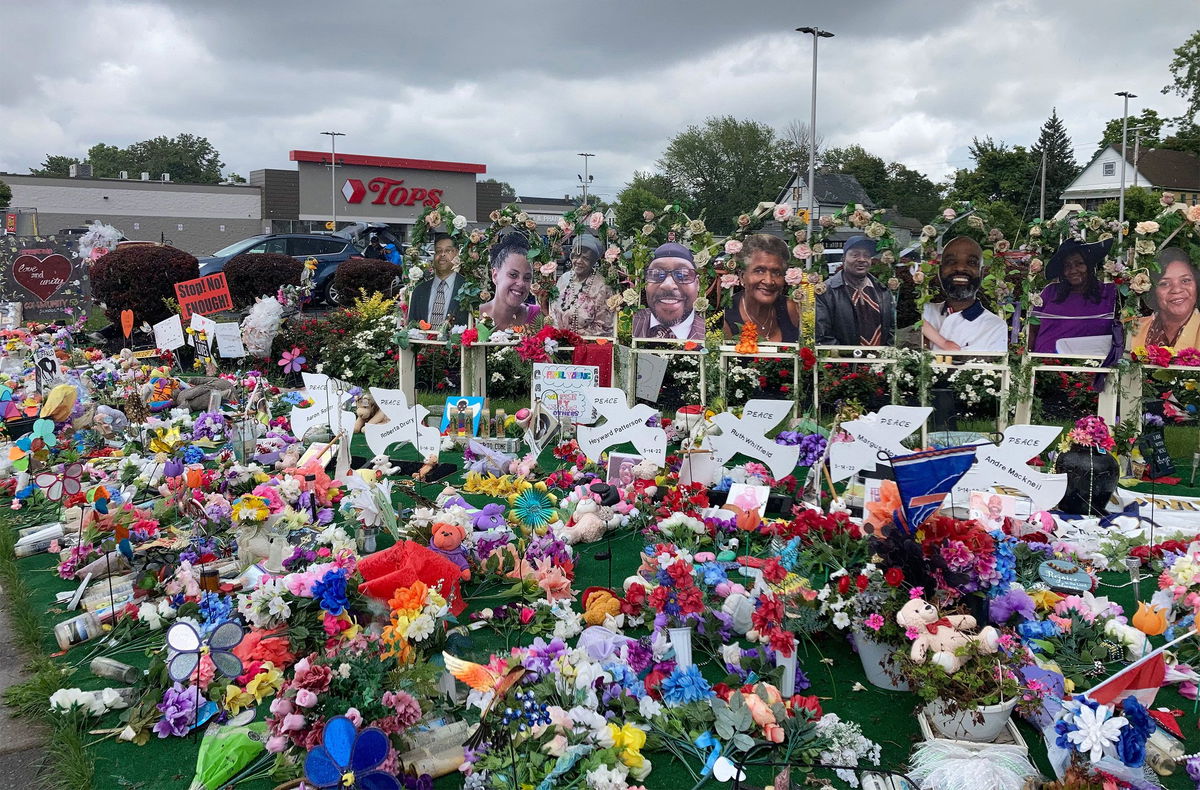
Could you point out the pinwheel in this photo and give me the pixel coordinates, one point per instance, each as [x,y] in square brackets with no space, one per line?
[291,361]
[8,409]
[187,646]
[347,758]
[56,486]
[44,430]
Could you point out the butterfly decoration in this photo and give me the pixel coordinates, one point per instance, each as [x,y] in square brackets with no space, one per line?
[347,758]
[186,646]
[65,484]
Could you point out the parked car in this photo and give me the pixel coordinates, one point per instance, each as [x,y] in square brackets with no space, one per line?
[329,250]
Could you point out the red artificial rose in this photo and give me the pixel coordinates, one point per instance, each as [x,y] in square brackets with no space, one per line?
[723,691]
[808,703]
[862,583]
[659,598]
[843,585]
[690,600]
[679,570]
[636,594]
[773,571]
[782,642]
[893,576]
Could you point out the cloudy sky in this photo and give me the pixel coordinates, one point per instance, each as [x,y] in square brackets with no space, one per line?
[524,87]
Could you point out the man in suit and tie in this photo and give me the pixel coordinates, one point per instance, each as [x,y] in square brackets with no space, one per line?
[436,298]
[672,286]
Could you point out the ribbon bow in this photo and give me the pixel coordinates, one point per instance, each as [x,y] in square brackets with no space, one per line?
[936,624]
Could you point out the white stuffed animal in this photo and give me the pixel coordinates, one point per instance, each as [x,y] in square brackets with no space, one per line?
[586,524]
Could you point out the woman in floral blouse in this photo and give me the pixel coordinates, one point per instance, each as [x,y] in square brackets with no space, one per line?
[581,305]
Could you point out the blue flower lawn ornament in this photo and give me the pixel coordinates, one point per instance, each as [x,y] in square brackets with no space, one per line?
[347,758]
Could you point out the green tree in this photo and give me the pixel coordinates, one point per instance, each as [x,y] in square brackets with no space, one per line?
[108,161]
[657,184]
[727,166]
[911,192]
[1185,78]
[869,169]
[507,193]
[55,165]
[1140,205]
[1061,167]
[234,178]
[186,157]
[1000,173]
[1150,134]
[5,195]
[1184,138]
[631,203]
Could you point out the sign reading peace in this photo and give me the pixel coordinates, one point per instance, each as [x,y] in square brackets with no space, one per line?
[42,276]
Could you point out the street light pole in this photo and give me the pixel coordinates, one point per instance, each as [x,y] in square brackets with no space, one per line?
[333,136]
[1124,139]
[817,34]
[585,178]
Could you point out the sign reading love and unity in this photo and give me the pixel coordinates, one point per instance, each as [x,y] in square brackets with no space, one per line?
[45,275]
[748,435]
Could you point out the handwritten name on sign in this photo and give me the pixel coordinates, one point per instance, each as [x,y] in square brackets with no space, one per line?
[872,434]
[1007,464]
[406,424]
[747,435]
[204,295]
[621,424]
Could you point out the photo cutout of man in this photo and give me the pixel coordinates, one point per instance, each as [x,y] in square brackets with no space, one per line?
[672,286]
[961,323]
[855,309]
[435,299]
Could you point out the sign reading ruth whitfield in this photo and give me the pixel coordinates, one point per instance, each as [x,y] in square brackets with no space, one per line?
[44,274]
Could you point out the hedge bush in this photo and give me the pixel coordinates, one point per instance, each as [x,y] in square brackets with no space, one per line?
[254,274]
[139,278]
[365,276]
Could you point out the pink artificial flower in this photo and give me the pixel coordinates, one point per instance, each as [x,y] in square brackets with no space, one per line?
[916,592]
[733,247]
[794,276]
[276,744]
[612,253]
[949,214]
[306,698]
[293,722]
[782,212]
[281,706]
[548,269]
[595,220]
[729,280]
[802,252]
[874,621]
[354,716]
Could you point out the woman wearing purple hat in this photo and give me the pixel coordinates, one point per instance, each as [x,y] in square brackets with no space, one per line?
[1077,312]
[672,286]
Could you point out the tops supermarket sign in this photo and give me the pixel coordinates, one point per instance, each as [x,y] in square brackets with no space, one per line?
[378,188]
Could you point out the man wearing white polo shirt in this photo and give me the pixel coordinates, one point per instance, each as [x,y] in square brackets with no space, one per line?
[961,323]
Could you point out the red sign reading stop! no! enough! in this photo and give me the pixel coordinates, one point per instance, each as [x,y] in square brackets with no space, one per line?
[205,295]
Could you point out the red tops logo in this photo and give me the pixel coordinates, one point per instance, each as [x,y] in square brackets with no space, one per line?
[390,191]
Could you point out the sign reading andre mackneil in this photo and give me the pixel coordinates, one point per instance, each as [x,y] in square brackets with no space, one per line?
[205,295]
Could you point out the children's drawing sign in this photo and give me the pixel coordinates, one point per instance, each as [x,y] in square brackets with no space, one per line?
[406,425]
[45,370]
[204,295]
[872,434]
[1007,465]
[168,334]
[561,388]
[229,340]
[621,424]
[748,435]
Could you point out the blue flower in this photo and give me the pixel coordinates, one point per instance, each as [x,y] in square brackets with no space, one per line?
[215,609]
[347,758]
[193,455]
[712,574]
[1131,746]
[684,685]
[331,591]
[1138,717]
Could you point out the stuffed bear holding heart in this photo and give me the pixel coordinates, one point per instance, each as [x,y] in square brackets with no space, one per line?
[941,636]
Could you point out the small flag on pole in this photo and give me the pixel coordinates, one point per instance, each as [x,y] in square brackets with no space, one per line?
[923,480]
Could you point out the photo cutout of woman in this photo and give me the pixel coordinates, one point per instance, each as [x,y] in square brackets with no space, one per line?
[762,297]
[512,278]
[1077,314]
[1175,322]
[582,302]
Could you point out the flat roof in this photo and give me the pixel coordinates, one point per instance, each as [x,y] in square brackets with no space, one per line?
[322,157]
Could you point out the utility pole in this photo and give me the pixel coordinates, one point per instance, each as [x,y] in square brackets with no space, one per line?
[1124,140]
[1137,144]
[816,33]
[586,177]
[333,136]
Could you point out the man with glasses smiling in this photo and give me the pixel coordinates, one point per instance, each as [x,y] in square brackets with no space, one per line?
[672,286]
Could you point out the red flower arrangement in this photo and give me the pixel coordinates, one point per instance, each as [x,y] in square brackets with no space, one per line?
[689,500]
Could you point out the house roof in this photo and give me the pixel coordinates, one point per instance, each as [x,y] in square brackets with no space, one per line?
[544,201]
[1167,169]
[831,189]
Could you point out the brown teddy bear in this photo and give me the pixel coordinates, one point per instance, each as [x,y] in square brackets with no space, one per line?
[942,635]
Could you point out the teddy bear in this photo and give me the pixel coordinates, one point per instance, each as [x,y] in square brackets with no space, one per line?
[448,540]
[490,516]
[942,635]
[644,472]
[587,525]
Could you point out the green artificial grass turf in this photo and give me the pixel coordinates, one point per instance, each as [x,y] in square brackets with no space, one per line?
[887,717]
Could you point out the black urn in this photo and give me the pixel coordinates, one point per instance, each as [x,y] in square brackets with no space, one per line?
[1091,480]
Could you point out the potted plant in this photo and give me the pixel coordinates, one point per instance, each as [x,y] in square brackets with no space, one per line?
[1086,459]
[866,601]
[974,703]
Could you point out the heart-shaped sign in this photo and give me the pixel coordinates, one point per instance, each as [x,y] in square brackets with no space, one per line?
[127,322]
[42,276]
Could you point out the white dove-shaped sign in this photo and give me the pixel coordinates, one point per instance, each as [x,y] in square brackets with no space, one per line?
[621,424]
[406,424]
[1006,464]
[748,435]
[872,433]
[326,409]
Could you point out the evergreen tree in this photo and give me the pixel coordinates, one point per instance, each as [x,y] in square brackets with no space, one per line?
[1061,167]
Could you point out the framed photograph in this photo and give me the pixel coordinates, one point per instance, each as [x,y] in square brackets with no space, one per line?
[620,468]
[747,498]
[990,508]
[461,416]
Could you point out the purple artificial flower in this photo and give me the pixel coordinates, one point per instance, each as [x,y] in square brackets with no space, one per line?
[178,708]
[1014,601]
[541,655]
